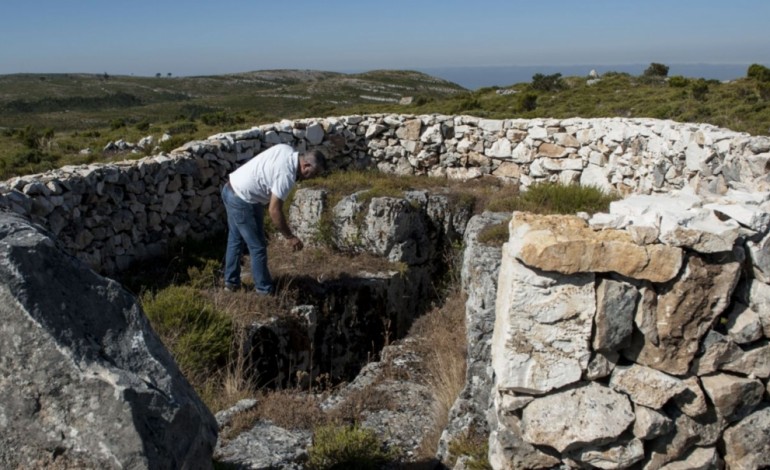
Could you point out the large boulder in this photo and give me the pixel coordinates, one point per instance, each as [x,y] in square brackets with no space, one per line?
[84,381]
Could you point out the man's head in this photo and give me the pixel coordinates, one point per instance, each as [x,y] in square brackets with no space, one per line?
[311,163]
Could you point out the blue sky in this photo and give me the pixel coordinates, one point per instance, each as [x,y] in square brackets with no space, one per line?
[196,37]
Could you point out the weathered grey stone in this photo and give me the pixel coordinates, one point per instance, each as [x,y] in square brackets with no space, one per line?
[305,214]
[542,327]
[757,298]
[650,423]
[692,401]
[84,380]
[507,449]
[754,361]
[685,311]
[743,324]
[646,386]
[614,320]
[700,458]
[715,350]
[614,456]
[265,446]
[587,414]
[699,230]
[688,433]
[747,443]
[601,365]
[733,396]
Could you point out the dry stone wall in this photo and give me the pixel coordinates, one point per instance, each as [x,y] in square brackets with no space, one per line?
[115,213]
[638,338]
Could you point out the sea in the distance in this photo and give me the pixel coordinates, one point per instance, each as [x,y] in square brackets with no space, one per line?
[473,78]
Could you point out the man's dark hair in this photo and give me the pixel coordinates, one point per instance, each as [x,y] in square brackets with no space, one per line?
[317,158]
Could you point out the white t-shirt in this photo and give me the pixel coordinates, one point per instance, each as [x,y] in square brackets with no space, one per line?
[273,171]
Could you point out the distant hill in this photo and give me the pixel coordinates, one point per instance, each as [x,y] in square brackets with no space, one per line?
[84,101]
[48,120]
[473,78]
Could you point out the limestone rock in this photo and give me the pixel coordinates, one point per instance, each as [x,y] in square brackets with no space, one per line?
[601,365]
[650,423]
[754,361]
[614,320]
[507,449]
[747,443]
[614,456]
[305,214]
[701,458]
[542,327]
[688,433]
[646,386]
[743,324]
[586,415]
[83,377]
[716,349]
[733,396]
[684,312]
[700,230]
[692,400]
[265,446]
[566,244]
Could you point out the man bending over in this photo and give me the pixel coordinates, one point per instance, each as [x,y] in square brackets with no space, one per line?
[266,179]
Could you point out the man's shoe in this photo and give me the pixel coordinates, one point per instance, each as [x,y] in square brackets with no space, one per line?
[232,288]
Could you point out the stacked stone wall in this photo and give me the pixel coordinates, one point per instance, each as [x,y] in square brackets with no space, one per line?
[112,214]
[635,339]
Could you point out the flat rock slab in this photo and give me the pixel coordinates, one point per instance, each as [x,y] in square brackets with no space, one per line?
[567,245]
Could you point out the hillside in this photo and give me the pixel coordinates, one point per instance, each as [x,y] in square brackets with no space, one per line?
[48,119]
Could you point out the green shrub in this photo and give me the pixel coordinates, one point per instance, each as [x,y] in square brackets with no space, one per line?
[678,81]
[347,447]
[117,123]
[699,89]
[566,199]
[142,125]
[187,127]
[758,72]
[173,142]
[527,101]
[656,70]
[197,334]
[551,198]
[551,82]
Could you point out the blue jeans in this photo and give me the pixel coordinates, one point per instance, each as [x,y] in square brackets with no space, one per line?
[245,227]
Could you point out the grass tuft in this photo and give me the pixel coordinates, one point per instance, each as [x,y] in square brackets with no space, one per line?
[198,335]
[347,447]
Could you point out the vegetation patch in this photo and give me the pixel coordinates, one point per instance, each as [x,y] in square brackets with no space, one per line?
[347,447]
[199,336]
[553,198]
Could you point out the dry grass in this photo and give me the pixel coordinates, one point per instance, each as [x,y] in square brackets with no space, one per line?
[442,347]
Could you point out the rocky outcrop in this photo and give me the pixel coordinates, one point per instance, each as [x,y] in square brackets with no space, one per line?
[479,271]
[84,381]
[615,337]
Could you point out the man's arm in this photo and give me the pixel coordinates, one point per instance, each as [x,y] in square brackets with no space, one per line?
[276,215]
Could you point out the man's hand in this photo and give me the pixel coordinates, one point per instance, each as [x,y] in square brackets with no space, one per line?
[296,244]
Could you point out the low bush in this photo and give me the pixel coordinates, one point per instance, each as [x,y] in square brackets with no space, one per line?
[347,447]
[199,336]
[551,198]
